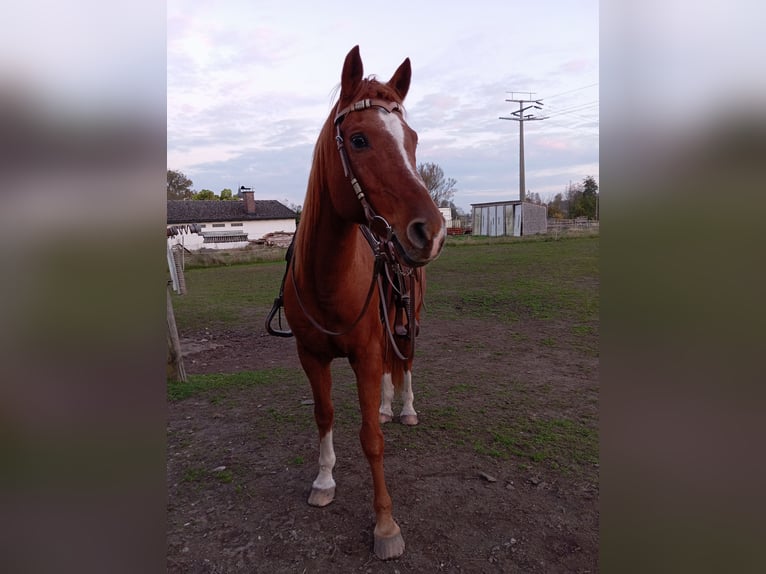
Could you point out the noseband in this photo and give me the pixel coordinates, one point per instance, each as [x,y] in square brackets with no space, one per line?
[400,278]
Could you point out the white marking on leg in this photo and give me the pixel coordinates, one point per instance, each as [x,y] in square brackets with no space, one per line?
[324,479]
[386,395]
[408,397]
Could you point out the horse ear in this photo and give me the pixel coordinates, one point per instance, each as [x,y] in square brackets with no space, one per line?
[400,81]
[351,76]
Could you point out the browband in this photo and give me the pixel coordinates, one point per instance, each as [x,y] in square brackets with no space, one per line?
[365,104]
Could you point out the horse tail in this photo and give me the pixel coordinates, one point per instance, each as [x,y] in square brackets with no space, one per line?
[394,363]
[396,367]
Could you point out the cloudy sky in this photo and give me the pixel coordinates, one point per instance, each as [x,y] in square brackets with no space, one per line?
[250,83]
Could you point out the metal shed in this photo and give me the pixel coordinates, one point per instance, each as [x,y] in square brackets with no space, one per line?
[513,218]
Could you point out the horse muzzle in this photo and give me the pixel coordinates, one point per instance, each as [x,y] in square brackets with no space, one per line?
[424,242]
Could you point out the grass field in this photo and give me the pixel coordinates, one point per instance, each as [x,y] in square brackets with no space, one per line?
[504,281]
[502,278]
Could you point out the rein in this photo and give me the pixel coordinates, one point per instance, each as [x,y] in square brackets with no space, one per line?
[399,278]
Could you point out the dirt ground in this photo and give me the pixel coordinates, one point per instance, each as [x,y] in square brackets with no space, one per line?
[461,507]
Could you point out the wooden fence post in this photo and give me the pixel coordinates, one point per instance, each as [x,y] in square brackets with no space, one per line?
[175,368]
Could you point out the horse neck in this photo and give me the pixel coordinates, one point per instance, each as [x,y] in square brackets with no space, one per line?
[328,240]
[327,243]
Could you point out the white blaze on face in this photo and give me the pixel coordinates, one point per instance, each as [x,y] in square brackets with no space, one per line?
[394,126]
[324,479]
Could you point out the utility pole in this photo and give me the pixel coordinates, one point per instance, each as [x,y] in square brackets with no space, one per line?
[518,116]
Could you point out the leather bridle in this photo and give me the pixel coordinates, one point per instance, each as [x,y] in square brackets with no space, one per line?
[394,279]
[369,213]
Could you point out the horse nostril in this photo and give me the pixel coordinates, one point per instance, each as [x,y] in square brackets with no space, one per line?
[418,234]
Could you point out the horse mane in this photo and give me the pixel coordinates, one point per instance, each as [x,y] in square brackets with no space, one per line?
[326,157]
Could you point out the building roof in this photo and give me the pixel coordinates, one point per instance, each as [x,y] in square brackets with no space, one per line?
[191,211]
[506,202]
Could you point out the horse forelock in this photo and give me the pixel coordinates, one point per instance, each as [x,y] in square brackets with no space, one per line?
[370,87]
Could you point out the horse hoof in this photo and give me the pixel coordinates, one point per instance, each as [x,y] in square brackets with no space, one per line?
[409,420]
[385,418]
[321,496]
[391,547]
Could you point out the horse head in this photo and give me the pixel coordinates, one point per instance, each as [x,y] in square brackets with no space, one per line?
[379,184]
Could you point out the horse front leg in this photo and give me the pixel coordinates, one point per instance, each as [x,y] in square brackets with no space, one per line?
[387,535]
[320,377]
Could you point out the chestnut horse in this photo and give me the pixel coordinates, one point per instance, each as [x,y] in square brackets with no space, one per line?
[368,225]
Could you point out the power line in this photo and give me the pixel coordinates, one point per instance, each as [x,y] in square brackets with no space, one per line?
[570,91]
[565,119]
[558,123]
[580,105]
[574,108]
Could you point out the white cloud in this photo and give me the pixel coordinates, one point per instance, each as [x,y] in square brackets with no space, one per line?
[249,85]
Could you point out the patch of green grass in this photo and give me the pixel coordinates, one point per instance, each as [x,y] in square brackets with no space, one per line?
[225,476]
[482,448]
[583,330]
[560,443]
[280,416]
[297,460]
[548,342]
[462,388]
[199,384]
[233,296]
[511,280]
[444,418]
[519,277]
[194,474]
[449,411]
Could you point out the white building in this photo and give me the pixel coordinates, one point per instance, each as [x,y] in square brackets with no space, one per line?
[447,215]
[230,224]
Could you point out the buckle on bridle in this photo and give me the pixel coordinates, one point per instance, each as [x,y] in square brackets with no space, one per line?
[380,227]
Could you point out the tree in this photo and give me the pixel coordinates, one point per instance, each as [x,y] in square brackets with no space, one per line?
[583,198]
[534,197]
[440,188]
[574,201]
[178,185]
[226,194]
[298,209]
[205,194]
[556,208]
[590,197]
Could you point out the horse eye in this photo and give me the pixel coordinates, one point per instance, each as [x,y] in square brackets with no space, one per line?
[358,141]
